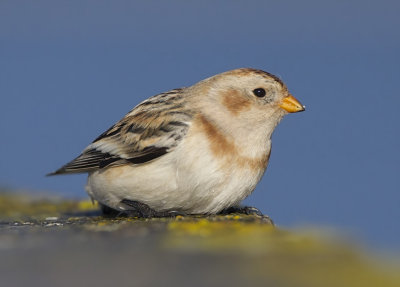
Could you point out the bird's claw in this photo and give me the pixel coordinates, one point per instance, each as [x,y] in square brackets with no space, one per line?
[139,209]
[248,210]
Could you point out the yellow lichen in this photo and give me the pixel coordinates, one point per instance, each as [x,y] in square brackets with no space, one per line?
[290,259]
[257,249]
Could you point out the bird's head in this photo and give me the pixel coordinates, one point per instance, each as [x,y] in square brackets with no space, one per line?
[248,98]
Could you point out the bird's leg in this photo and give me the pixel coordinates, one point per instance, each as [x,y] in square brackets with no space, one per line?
[108,211]
[249,210]
[140,209]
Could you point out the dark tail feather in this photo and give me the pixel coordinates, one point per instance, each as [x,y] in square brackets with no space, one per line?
[86,162]
[65,170]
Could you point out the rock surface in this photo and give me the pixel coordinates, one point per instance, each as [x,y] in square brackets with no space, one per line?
[68,243]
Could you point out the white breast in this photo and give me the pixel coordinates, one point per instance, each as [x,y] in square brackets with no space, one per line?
[189,179]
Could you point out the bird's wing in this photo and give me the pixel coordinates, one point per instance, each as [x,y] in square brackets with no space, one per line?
[152,129]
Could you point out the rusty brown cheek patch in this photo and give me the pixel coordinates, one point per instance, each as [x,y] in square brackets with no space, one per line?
[225,149]
[235,102]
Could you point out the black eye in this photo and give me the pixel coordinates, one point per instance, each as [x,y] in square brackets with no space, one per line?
[260,92]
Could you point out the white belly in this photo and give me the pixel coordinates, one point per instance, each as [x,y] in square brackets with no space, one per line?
[186,179]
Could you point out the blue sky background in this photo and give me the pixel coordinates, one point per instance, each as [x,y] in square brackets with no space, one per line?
[70,69]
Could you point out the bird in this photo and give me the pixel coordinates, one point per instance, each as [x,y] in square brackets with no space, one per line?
[200,149]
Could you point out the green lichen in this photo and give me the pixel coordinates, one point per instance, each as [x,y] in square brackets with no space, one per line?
[259,252]
[20,206]
[290,258]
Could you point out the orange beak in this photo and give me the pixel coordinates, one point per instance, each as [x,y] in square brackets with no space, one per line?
[291,105]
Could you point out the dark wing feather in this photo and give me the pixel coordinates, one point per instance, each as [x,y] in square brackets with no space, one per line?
[89,160]
[149,131]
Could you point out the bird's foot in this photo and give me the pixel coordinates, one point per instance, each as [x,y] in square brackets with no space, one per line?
[108,211]
[138,209]
[249,210]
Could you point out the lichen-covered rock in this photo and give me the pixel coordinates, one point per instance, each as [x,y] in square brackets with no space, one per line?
[68,243]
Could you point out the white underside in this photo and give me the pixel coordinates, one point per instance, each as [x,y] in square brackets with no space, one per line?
[187,179]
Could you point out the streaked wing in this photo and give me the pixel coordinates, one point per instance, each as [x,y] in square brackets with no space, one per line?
[152,129]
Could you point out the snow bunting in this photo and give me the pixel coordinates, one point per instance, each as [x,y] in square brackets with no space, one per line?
[194,150]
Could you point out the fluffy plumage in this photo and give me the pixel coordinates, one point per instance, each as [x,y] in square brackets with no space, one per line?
[198,149]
